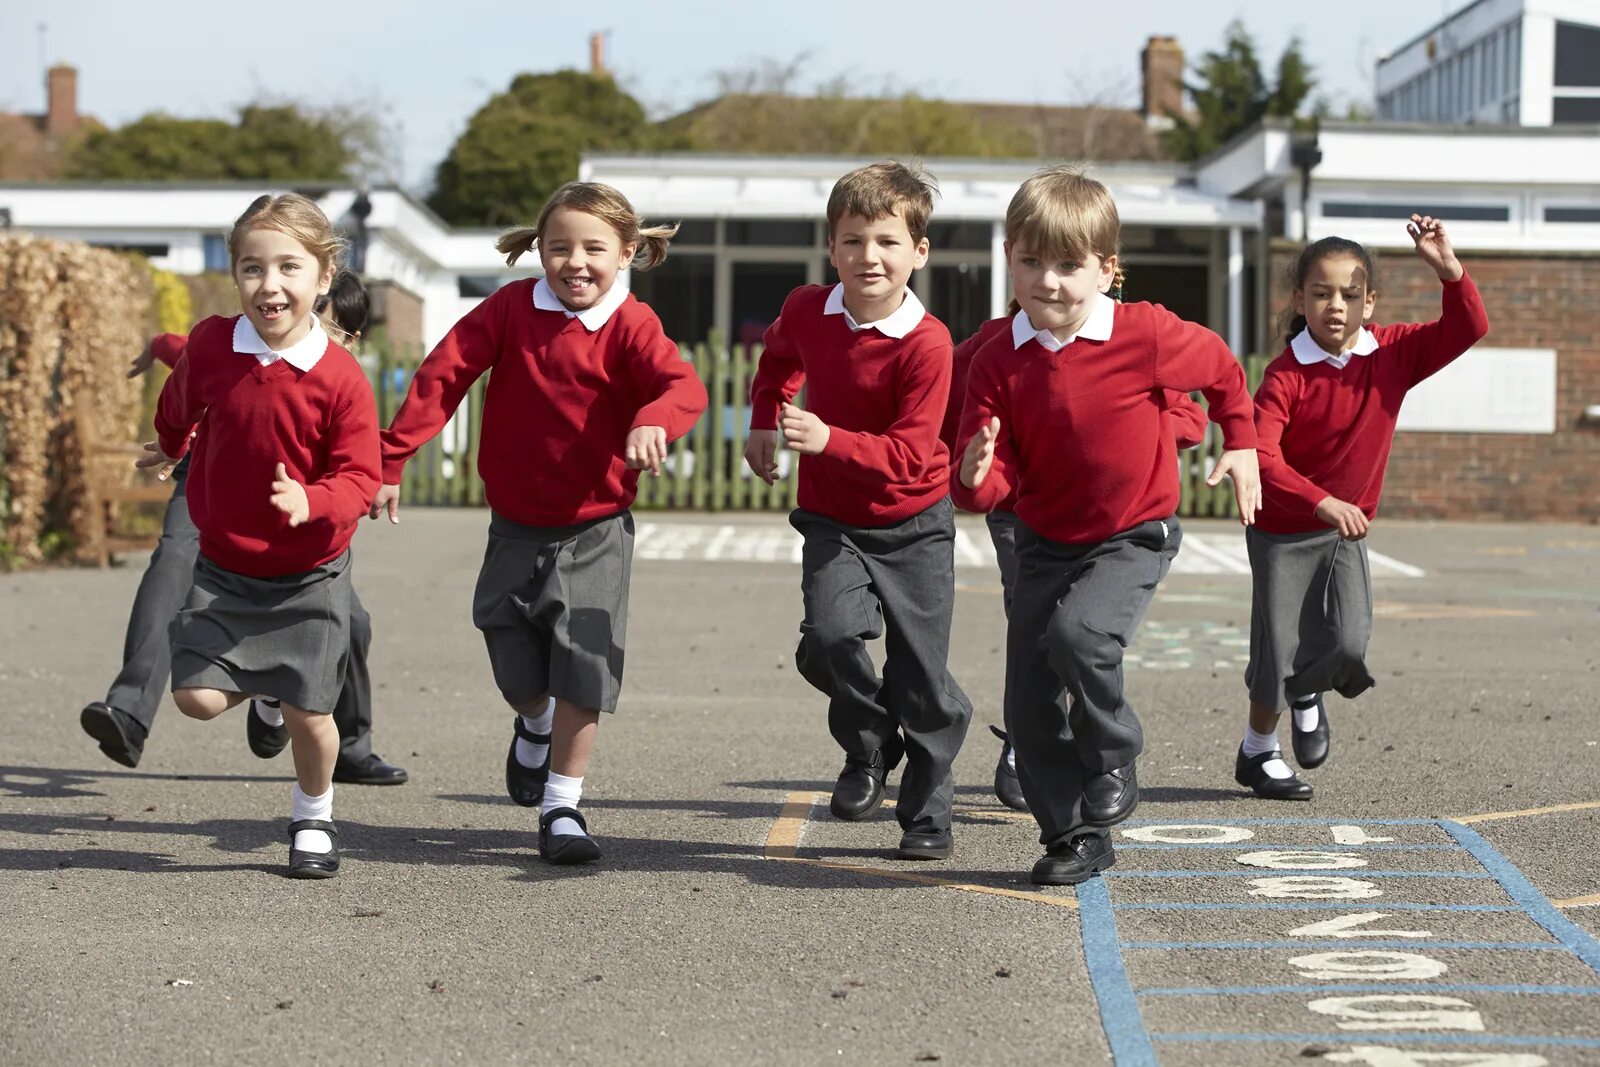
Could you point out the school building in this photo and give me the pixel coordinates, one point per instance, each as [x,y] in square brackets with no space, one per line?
[1512,431]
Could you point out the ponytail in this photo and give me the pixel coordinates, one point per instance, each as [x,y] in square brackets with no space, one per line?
[514,244]
[607,205]
[653,241]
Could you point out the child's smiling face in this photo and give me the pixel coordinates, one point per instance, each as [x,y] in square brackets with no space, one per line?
[279,281]
[874,257]
[582,256]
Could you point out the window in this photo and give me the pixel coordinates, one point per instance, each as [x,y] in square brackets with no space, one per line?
[480,285]
[1344,209]
[147,251]
[1572,214]
[680,293]
[1579,109]
[1577,55]
[214,252]
[696,232]
[972,236]
[795,233]
[958,295]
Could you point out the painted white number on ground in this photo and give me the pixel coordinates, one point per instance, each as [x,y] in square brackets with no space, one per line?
[1368,964]
[1303,861]
[1353,925]
[1384,1056]
[1389,1011]
[1311,887]
[1189,834]
[1355,835]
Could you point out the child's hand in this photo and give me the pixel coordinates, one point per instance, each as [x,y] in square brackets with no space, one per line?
[979,455]
[761,453]
[646,449]
[388,497]
[1349,520]
[142,362]
[1240,464]
[157,459]
[1433,245]
[289,497]
[802,431]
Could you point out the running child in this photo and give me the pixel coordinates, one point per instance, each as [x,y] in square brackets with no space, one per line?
[1325,421]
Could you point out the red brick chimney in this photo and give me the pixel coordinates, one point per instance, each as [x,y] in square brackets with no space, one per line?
[597,54]
[1162,68]
[61,115]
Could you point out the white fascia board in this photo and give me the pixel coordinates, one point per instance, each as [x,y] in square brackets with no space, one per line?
[1581,12]
[1462,155]
[1261,156]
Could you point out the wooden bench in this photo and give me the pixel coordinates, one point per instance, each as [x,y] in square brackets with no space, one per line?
[107,489]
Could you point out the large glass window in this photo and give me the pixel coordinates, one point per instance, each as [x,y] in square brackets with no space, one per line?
[759,290]
[1577,55]
[784,233]
[680,293]
[967,236]
[214,252]
[958,296]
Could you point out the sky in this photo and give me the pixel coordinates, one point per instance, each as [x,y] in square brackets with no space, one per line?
[427,67]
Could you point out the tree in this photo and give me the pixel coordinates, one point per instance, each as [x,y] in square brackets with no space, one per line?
[1232,94]
[523,143]
[273,142]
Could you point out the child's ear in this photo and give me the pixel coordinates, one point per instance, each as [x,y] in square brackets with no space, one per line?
[1369,304]
[628,252]
[922,254]
[1108,273]
[1298,300]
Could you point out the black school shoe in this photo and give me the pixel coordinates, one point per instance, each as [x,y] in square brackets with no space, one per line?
[369,771]
[1110,797]
[925,845]
[1007,788]
[120,735]
[1310,746]
[859,790]
[1248,771]
[313,864]
[525,785]
[566,848]
[265,741]
[1075,861]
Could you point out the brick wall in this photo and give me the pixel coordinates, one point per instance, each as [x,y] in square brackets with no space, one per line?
[399,311]
[1534,301]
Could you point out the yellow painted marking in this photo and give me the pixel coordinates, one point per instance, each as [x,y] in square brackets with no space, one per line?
[1496,816]
[1590,901]
[783,842]
[995,813]
[1503,550]
[1394,610]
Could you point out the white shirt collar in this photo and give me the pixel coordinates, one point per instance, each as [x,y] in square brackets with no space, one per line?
[545,299]
[898,323]
[1097,327]
[302,355]
[1307,351]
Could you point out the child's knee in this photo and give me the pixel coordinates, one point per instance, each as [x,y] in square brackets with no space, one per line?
[200,704]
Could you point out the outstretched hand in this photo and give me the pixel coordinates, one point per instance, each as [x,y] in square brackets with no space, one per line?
[1241,465]
[158,459]
[979,454]
[1433,246]
[143,361]
[289,497]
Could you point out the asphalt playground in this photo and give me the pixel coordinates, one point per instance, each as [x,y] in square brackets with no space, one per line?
[1438,902]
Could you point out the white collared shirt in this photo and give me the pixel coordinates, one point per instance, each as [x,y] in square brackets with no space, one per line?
[898,323]
[1097,327]
[1307,351]
[545,299]
[302,355]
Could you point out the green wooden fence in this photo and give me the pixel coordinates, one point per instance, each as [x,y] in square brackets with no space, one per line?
[705,470]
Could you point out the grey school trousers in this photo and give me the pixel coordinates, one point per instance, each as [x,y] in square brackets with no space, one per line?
[897,582]
[147,649]
[1075,610]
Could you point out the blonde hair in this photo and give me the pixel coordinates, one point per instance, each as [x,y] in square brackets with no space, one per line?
[605,204]
[880,190]
[1061,214]
[294,216]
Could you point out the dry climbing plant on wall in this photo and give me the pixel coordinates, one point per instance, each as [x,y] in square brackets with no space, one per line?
[71,318]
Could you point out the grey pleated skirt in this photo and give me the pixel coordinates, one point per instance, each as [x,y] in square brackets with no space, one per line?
[1310,616]
[552,603]
[286,638]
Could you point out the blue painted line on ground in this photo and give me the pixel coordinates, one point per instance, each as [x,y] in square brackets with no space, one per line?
[1269,872]
[1388,1039]
[1353,905]
[1108,975]
[1282,823]
[1536,904]
[1272,990]
[1416,943]
[1254,846]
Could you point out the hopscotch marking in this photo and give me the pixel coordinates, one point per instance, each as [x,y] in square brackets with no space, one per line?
[1369,974]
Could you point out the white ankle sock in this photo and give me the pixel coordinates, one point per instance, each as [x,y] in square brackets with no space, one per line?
[1255,744]
[268,711]
[563,792]
[530,754]
[321,808]
[1305,718]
